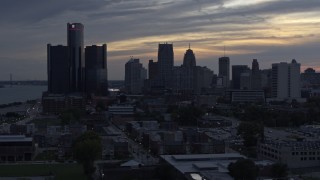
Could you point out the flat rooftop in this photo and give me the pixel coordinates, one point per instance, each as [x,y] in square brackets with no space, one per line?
[213,163]
[15,138]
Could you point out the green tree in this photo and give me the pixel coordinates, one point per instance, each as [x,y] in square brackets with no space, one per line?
[87,148]
[66,118]
[251,132]
[279,170]
[12,115]
[100,106]
[243,169]
[70,115]
[187,115]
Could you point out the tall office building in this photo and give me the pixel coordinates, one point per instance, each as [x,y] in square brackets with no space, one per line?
[237,70]
[96,70]
[58,69]
[245,81]
[153,69]
[310,79]
[188,71]
[266,81]
[224,70]
[76,47]
[286,80]
[255,75]
[189,59]
[189,78]
[202,79]
[135,74]
[165,65]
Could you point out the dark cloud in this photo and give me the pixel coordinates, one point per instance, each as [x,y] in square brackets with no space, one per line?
[28,25]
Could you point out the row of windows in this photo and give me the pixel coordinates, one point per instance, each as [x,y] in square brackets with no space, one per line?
[305,153]
[270,149]
[310,158]
[269,155]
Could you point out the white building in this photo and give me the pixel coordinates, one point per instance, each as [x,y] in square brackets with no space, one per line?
[286,80]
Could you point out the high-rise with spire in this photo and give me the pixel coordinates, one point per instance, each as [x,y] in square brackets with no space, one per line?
[255,75]
[189,59]
[224,70]
[191,79]
[188,71]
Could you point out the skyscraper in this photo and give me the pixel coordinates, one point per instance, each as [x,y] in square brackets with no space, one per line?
[189,78]
[255,75]
[77,63]
[96,70]
[286,80]
[184,75]
[202,79]
[153,69]
[58,69]
[245,81]
[165,64]
[224,70]
[135,74]
[189,59]
[237,70]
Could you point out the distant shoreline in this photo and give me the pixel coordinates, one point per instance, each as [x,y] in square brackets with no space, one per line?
[2,106]
[11,95]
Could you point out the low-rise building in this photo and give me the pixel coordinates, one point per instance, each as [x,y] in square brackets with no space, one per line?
[295,154]
[16,148]
[201,166]
[57,103]
[245,96]
[122,110]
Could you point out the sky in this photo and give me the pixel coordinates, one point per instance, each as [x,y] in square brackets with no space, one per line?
[268,30]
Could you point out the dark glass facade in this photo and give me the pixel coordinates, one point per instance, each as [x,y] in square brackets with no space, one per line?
[237,70]
[77,63]
[165,64]
[224,70]
[96,70]
[58,69]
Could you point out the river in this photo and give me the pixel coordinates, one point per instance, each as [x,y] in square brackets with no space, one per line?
[20,93]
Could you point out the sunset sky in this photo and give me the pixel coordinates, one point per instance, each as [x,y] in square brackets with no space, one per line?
[267,30]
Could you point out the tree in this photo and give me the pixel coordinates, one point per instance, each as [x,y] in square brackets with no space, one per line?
[251,132]
[187,115]
[279,170]
[100,106]
[69,116]
[87,148]
[243,169]
[66,118]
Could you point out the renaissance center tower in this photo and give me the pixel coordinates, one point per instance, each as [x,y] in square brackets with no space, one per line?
[77,62]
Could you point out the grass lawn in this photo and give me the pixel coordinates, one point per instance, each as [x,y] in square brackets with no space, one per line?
[47,155]
[60,171]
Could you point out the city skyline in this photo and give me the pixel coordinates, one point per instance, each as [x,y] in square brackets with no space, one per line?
[267,30]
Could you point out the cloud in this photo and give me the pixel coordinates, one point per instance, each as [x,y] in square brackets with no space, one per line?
[266,29]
